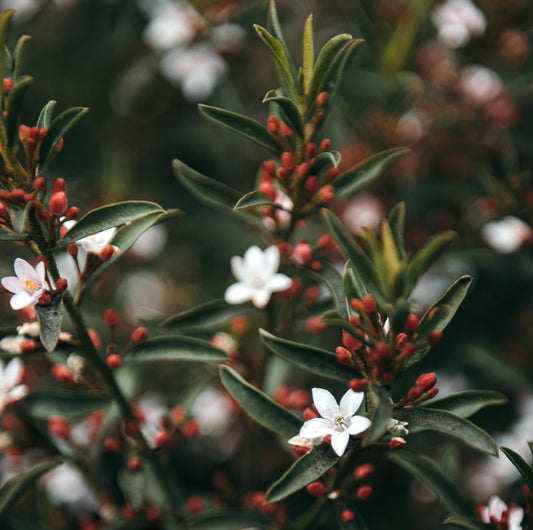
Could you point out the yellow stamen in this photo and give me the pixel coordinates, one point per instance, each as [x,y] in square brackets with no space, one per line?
[31,285]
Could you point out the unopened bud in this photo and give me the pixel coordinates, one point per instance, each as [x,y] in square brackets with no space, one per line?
[316,489]
[302,254]
[312,184]
[433,392]
[72,213]
[18,194]
[369,303]
[191,429]
[310,150]
[110,317]
[8,84]
[408,350]
[397,443]
[72,249]
[61,284]
[364,492]
[58,203]
[195,505]
[162,438]
[134,463]
[288,161]
[358,385]
[350,341]
[314,324]
[363,471]
[347,516]
[39,183]
[284,129]
[62,373]
[414,393]
[59,185]
[332,173]
[401,340]
[326,193]
[59,426]
[44,299]
[322,99]
[343,355]
[269,166]
[113,361]
[426,381]
[268,189]
[325,145]
[139,334]
[435,337]
[95,338]
[107,252]
[412,322]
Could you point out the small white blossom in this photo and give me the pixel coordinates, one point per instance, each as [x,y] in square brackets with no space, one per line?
[497,511]
[480,84]
[397,427]
[28,284]
[15,344]
[457,21]
[29,329]
[258,277]
[506,235]
[281,214]
[338,420]
[10,377]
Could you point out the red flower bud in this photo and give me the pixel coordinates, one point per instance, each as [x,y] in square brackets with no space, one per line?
[358,385]
[433,392]
[350,341]
[315,266]
[322,99]
[8,84]
[5,195]
[59,185]
[134,463]
[312,183]
[285,248]
[302,254]
[401,340]
[268,189]
[17,194]
[162,438]
[426,381]
[107,252]
[72,249]
[332,173]
[314,324]
[112,444]
[347,516]
[195,505]
[110,317]
[412,322]
[310,150]
[414,393]
[190,430]
[397,443]
[369,303]
[284,129]
[288,161]
[139,334]
[58,203]
[113,361]
[325,145]
[316,489]
[269,166]
[38,183]
[72,213]
[61,284]
[435,337]
[62,373]
[357,305]
[326,193]
[45,299]
[408,350]
[343,355]
[95,338]
[363,471]
[364,492]
[59,426]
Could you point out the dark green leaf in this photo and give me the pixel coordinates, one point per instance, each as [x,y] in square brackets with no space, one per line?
[58,128]
[108,216]
[306,469]
[5,19]
[15,487]
[397,226]
[289,108]
[331,278]
[242,125]
[333,318]
[368,30]
[50,318]
[6,235]
[254,198]
[521,465]
[426,256]
[379,407]
[323,160]
[467,522]
[352,282]
[14,105]
[448,423]
[259,406]
[429,474]
[355,178]
[45,117]
[228,520]
[19,218]
[465,404]
[308,54]
[54,401]
[309,358]
[175,348]
[18,55]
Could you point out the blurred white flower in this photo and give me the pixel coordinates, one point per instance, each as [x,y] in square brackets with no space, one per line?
[364,211]
[227,37]
[94,243]
[28,284]
[457,21]
[197,70]
[16,344]
[497,511]
[30,329]
[10,378]
[150,243]
[338,420]
[258,277]
[479,83]
[66,485]
[506,235]
[282,214]
[213,410]
[412,126]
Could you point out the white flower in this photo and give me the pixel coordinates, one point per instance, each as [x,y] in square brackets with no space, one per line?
[28,284]
[397,427]
[96,242]
[66,485]
[10,377]
[257,277]
[338,420]
[496,511]
[458,21]
[506,235]
[281,214]
[480,84]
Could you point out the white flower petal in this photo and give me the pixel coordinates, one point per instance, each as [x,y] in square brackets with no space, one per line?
[13,372]
[278,282]
[13,284]
[24,270]
[358,424]
[260,298]
[316,428]
[238,293]
[516,514]
[496,507]
[1,370]
[18,392]
[325,403]
[238,268]
[21,299]
[40,271]
[271,257]
[254,259]
[350,402]
[339,441]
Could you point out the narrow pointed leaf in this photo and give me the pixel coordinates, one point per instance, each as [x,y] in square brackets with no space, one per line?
[14,488]
[448,423]
[314,360]
[324,160]
[289,109]
[175,348]
[366,171]
[306,469]
[330,277]
[5,19]
[521,465]
[57,130]
[18,55]
[242,125]
[45,117]
[50,318]
[397,225]
[44,403]
[15,102]
[381,414]
[6,235]
[466,404]
[429,474]
[259,406]
[427,255]
[353,283]
[108,216]
[308,53]
[467,522]
[254,198]
[333,318]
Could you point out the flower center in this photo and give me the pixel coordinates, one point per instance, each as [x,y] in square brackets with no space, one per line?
[256,281]
[31,285]
[340,422]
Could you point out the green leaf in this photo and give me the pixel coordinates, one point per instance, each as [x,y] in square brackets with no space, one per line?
[60,125]
[308,54]
[306,469]
[448,423]
[15,101]
[379,405]
[446,307]
[466,404]
[314,360]
[15,487]
[290,110]
[354,253]
[108,216]
[175,348]
[47,402]
[368,30]
[429,474]
[243,125]
[6,235]
[521,465]
[426,256]
[45,117]
[323,64]
[228,520]
[366,171]
[259,406]
[466,522]
[254,198]
[397,225]
[283,62]
[18,54]
[5,19]
[352,282]
[50,318]
[323,160]
[331,278]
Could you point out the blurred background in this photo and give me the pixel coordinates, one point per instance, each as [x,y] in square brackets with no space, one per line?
[451,80]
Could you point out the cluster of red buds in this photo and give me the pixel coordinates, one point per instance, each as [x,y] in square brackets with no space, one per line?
[274,510]
[375,350]
[31,139]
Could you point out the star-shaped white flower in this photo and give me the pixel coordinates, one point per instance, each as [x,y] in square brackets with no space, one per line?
[497,511]
[338,420]
[28,284]
[258,277]
[10,377]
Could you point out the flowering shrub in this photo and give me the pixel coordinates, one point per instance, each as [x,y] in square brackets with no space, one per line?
[224,415]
